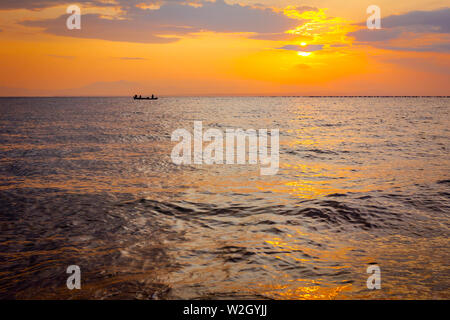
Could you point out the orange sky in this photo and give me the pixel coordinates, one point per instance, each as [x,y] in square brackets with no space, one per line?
[224,48]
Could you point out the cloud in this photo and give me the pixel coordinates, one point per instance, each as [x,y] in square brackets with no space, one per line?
[428,21]
[172,21]
[129,4]
[338,45]
[93,26]
[419,21]
[438,47]
[302,9]
[274,36]
[409,26]
[313,47]
[41,4]
[367,35]
[308,48]
[291,47]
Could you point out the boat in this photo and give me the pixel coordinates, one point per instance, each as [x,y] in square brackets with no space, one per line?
[136,97]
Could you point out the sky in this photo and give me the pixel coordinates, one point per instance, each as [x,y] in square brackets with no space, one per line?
[224,47]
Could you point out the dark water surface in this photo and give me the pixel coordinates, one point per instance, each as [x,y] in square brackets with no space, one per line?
[90,181]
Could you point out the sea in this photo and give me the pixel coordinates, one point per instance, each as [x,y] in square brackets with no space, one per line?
[90,182]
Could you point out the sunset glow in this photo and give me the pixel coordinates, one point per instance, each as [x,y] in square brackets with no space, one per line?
[238,150]
[224,48]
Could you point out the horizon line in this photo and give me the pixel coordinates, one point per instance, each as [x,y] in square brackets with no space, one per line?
[241,96]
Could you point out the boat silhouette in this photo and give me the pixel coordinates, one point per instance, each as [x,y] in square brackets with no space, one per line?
[136,97]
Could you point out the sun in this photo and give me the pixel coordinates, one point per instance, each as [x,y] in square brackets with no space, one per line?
[303,44]
[303,53]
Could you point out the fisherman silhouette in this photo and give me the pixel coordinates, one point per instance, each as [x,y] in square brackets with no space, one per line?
[153,97]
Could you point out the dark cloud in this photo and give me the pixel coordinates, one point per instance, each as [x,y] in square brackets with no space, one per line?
[302,9]
[308,48]
[274,36]
[172,18]
[41,4]
[367,35]
[429,21]
[415,22]
[418,21]
[292,47]
[313,47]
[338,45]
[93,26]
[438,47]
